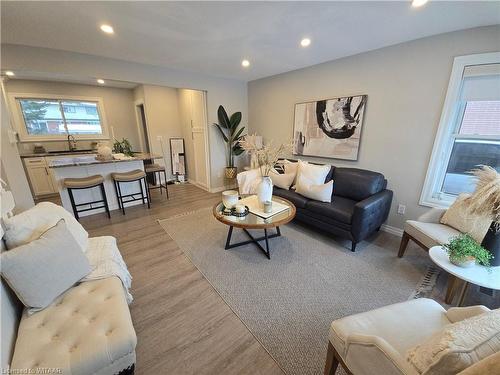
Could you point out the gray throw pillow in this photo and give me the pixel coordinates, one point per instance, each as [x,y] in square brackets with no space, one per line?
[43,269]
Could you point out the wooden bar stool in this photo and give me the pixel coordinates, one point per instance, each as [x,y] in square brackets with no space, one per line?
[86,183]
[137,175]
[154,169]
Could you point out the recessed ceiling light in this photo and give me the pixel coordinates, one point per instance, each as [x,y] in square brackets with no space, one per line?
[305,42]
[418,3]
[9,73]
[107,29]
[101,81]
[245,63]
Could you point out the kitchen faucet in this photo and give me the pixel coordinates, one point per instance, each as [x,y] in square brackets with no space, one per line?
[71,142]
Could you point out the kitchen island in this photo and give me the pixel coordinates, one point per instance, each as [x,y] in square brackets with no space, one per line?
[78,166]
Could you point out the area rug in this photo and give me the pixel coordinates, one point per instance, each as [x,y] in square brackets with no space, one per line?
[288,302]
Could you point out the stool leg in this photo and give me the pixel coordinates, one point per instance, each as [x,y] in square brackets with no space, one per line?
[120,197]
[148,195]
[159,179]
[166,184]
[73,206]
[116,191]
[103,192]
[142,191]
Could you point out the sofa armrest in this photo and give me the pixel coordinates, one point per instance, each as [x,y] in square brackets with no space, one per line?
[456,314]
[488,365]
[367,354]
[370,213]
[432,216]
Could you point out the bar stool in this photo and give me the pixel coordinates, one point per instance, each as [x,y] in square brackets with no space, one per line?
[154,169]
[86,183]
[137,175]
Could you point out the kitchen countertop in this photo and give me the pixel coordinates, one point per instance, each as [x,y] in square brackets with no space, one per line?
[55,153]
[88,159]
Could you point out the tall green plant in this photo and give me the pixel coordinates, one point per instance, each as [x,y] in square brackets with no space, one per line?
[228,128]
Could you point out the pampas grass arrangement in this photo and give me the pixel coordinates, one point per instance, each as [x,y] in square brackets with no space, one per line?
[486,198]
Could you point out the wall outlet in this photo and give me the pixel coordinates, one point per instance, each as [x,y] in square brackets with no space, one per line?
[401,209]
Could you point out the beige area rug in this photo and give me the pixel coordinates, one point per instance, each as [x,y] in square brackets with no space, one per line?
[288,302]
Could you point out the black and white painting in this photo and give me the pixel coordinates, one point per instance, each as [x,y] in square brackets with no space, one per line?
[329,128]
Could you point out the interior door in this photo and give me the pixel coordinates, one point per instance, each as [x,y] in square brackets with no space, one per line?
[199,136]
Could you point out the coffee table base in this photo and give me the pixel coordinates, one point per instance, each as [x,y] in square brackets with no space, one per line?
[254,240]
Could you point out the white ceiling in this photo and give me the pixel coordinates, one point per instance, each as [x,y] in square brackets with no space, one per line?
[213,37]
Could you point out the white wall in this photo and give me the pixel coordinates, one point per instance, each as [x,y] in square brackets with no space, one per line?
[230,93]
[162,117]
[406,86]
[118,107]
[12,167]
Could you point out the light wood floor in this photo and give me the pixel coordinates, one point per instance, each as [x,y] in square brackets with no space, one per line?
[183,326]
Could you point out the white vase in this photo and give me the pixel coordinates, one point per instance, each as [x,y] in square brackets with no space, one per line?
[265,190]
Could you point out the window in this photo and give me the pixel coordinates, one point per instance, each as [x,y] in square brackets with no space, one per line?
[51,118]
[469,130]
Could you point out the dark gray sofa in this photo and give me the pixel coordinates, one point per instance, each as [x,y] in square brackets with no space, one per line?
[360,204]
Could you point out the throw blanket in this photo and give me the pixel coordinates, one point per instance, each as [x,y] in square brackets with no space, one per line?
[106,260]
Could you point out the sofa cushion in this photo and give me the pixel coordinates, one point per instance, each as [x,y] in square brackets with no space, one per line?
[340,209]
[40,271]
[30,224]
[319,192]
[297,199]
[403,325]
[430,234]
[458,345]
[87,330]
[357,184]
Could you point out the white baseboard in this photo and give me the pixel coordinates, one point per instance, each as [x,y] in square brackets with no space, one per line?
[222,188]
[201,186]
[392,230]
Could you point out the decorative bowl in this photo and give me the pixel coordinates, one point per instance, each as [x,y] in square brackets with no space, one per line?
[464,262]
[230,198]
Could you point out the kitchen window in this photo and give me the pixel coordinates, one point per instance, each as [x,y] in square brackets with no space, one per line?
[42,118]
[469,130]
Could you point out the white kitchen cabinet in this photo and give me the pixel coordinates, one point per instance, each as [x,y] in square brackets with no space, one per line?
[40,176]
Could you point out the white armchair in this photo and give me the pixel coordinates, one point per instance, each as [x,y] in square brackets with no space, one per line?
[427,231]
[376,342]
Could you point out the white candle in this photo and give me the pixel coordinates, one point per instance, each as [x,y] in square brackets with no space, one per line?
[239,208]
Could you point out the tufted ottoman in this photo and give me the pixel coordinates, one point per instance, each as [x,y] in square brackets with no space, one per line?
[87,330]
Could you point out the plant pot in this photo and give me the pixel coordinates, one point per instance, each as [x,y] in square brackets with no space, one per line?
[491,242]
[265,190]
[231,172]
[464,262]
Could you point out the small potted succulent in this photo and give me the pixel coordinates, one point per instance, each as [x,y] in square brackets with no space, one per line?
[464,251]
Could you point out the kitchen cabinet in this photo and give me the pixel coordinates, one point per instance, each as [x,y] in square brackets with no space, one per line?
[40,176]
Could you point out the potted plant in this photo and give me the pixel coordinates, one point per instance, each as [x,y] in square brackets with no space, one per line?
[123,147]
[228,128]
[464,251]
[486,201]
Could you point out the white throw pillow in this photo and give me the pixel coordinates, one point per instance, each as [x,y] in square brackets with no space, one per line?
[248,181]
[318,192]
[291,168]
[458,345]
[316,174]
[283,180]
[30,224]
[41,270]
[459,218]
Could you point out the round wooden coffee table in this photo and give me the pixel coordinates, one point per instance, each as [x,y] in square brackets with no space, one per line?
[253,221]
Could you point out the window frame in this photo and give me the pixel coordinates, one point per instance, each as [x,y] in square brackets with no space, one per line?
[448,130]
[24,136]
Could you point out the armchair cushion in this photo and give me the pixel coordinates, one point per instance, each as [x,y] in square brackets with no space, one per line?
[458,345]
[456,314]
[459,218]
[430,234]
[402,325]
